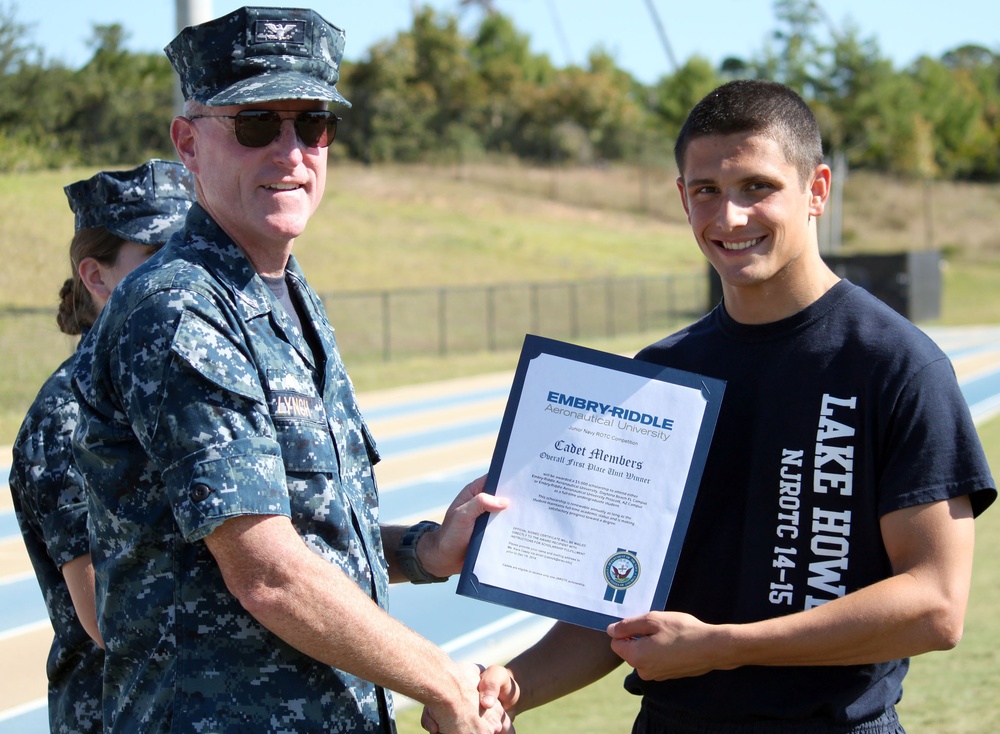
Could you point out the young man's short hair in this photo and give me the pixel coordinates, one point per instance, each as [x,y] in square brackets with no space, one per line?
[760,107]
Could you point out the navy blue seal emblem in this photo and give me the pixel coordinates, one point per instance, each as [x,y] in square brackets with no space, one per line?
[621,571]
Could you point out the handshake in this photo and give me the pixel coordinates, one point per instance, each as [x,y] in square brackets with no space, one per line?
[497,693]
[659,645]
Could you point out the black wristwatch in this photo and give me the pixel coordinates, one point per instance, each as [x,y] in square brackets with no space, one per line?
[406,555]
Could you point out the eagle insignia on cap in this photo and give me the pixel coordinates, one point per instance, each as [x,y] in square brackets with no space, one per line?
[280,32]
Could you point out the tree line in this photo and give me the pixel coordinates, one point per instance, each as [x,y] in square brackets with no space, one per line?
[437,93]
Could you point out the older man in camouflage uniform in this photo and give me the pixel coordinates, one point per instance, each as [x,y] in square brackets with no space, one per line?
[132,212]
[241,567]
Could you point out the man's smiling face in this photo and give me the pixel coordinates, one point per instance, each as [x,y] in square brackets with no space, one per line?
[750,210]
[262,197]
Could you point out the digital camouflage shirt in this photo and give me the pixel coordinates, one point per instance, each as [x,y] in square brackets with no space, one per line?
[51,508]
[200,401]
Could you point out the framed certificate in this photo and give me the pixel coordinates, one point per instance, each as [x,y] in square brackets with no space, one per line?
[601,457]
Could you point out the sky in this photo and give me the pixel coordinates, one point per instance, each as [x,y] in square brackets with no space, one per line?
[566,30]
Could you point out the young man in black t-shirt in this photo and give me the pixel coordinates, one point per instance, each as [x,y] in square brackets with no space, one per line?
[832,536]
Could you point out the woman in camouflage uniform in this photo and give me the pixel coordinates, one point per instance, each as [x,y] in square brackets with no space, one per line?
[122,217]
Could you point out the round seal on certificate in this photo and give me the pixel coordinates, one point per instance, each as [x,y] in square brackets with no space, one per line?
[621,570]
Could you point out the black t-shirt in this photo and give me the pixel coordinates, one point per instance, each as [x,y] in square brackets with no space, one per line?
[831,418]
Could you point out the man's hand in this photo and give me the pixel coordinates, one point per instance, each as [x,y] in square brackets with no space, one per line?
[490,719]
[442,552]
[497,686]
[920,608]
[667,645]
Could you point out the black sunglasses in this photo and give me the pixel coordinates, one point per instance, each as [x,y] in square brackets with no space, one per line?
[257,128]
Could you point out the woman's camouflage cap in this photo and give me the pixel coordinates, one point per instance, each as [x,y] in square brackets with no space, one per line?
[146,204]
[257,55]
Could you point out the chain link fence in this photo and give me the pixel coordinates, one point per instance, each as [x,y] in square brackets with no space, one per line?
[384,326]
[390,325]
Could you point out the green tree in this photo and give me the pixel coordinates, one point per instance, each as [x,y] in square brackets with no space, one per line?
[954,108]
[877,122]
[674,95]
[798,60]
[415,94]
[856,87]
[14,50]
[584,114]
[982,68]
[621,119]
[389,120]
[511,76]
[435,93]
[122,102]
[19,137]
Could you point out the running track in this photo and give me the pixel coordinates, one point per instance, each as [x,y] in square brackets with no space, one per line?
[436,438]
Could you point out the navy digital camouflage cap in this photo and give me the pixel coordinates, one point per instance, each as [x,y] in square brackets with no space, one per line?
[145,204]
[259,55]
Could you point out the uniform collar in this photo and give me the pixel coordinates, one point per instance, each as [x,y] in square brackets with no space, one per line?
[228,263]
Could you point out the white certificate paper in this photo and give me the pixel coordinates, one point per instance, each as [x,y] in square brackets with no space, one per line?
[601,457]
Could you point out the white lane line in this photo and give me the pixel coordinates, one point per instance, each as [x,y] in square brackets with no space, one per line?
[23,708]
[25,629]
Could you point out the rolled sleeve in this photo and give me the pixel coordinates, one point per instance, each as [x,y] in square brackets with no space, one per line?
[65,532]
[242,478]
[207,425]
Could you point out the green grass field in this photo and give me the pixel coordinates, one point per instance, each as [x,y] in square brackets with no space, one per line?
[393,228]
